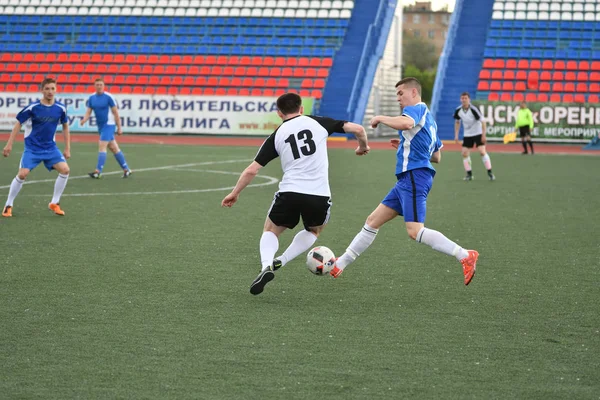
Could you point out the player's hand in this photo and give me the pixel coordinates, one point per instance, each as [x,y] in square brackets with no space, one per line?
[119,132]
[7,150]
[374,122]
[361,151]
[67,153]
[83,121]
[230,200]
[395,142]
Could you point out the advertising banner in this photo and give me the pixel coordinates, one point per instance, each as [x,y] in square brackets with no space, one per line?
[551,120]
[215,115]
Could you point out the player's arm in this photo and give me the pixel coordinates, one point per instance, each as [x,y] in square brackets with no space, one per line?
[456,124]
[530,119]
[115,112]
[436,157]
[11,139]
[67,135]
[361,135]
[86,117]
[244,180]
[401,123]
[483,130]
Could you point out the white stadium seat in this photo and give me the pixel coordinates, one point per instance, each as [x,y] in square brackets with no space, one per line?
[289,13]
[498,6]
[169,12]
[205,4]
[521,7]
[497,15]
[227,4]
[267,13]
[323,14]
[201,12]
[294,4]
[348,5]
[520,15]
[578,16]
[234,12]
[337,4]
[94,10]
[238,4]
[151,3]
[223,12]
[532,7]
[148,11]
[532,15]
[185,4]
[271,4]
[554,7]
[249,4]
[191,12]
[345,14]
[104,10]
[213,12]
[179,12]
[326,4]
[509,15]
[158,12]
[62,10]
[544,7]
[300,13]
[256,12]
[283,4]
[566,16]
[260,4]
[543,15]
[246,12]
[334,13]
[589,16]
[30,10]
[577,7]
[311,13]
[555,16]
[216,3]
[567,7]
[509,6]
[82,11]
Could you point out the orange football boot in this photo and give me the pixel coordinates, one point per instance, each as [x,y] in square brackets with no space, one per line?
[469,264]
[56,209]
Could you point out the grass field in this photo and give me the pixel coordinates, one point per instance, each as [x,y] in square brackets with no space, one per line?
[141,291]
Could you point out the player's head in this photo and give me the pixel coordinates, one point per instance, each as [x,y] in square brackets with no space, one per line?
[99,85]
[523,104]
[48,87]
[465,99]
[289,105]
[408,91]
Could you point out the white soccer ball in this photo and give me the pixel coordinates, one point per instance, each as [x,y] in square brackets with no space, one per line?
[320,260]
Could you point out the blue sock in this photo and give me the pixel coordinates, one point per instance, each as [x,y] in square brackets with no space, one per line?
[101,160]
[121,160]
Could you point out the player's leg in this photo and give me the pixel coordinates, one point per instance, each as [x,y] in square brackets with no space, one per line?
[414,203]
[15,188]
[59,164]
[282,215]
[485,158]
[389,209]
[528,139]
[466,157]
[523,134]
[29,161]
[315,213]
[120,157]
[97,173]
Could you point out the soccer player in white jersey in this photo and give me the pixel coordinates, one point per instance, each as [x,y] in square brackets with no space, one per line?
[473,134]
[301,144]
[418,146]
[40,120]
[107,119]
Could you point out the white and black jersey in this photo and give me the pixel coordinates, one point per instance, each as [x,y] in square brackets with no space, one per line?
[301,143]
[471,119]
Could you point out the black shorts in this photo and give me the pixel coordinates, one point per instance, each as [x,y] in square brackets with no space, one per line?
[524,131]
[476,140]
[288,207]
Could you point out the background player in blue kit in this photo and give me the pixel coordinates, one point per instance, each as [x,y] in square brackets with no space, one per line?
[107,119]
[418,146]
[40,120]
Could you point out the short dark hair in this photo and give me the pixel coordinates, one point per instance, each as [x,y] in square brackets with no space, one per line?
[47,81]
[411,82]
[465,94]
[289,103]
[99,80]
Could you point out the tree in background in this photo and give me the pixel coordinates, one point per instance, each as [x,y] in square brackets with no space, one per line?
[419,52]
[427,78]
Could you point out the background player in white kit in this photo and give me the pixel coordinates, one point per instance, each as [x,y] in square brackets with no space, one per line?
[473,134]
[301,143]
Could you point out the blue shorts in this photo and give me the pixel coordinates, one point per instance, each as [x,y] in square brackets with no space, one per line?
[409,196]
[31,159]
[107,133]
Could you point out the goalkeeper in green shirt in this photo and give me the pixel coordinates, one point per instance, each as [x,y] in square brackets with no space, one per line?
[525,125]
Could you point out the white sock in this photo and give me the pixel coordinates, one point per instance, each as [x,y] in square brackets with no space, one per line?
[15,187]
[360,243]
[269,243]
[441,243]
[486,161]
[302,242]
[59,187]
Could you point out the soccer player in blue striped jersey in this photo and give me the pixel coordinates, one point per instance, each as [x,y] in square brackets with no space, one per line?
[40,120]
[107,119]
[418,146]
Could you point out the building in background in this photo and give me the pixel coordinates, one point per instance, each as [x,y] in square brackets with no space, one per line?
[421,21]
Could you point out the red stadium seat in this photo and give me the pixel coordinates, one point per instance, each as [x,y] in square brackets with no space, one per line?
[499,63]
[245,60]
[185,91]
[141,79]
[271,82]
[248,82]
[119,79]
[239,71]
[508,86]
[39,58]
[583,76]
[189,81]
[149,90]
[544,87]
[256,92]
[518,97]
[268,92]
[32,88]
[555,98]
[495,85]
[256,61]
[579,98]
[85,58]
[569,87]
[483,85]
[325,62]
[321,73]
[201,81]
[545,76]
[11,87]
[130,79]
[252,71]
[244,92]
[558,76]
[138,90]
[108,58]
[530,97]
[559,64]
[535,64]
[263,71]
[571,66]
[304,93]
[280,61]
[484,74]
[291,62]
[303,62]
[67,88]
[511,64]
[259,82]
[268,61]
[557,87]
[283,83]
[594,88]
[192,70]
[177,80]
[187,60]
[521,75]
[505,97]
[173,90]
[533,76]
[316,93]
[568,98]
[319,83]
[164,59]
[488,63]
[584,66]
[523,64]
[593,98]
[595,66]
[236,81]
[497,74]
[108,79]
[161,90]
[214,81]
[570,76]
[216,70]
[279,92]
[181,70]
[542,97]
[175,59]
[287,72]
[595,77]
[232,91]
[307,83]
[520,87]
[509,75]
[170,70]
[275,71]
[299,73]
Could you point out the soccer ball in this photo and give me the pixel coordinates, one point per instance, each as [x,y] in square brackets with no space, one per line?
[320,260]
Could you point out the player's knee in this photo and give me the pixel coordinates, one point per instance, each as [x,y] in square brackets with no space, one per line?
[465,154]
[22,175]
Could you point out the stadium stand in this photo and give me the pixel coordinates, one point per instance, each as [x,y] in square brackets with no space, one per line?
[544,51]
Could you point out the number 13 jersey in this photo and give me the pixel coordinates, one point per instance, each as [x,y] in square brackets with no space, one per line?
[301,143]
